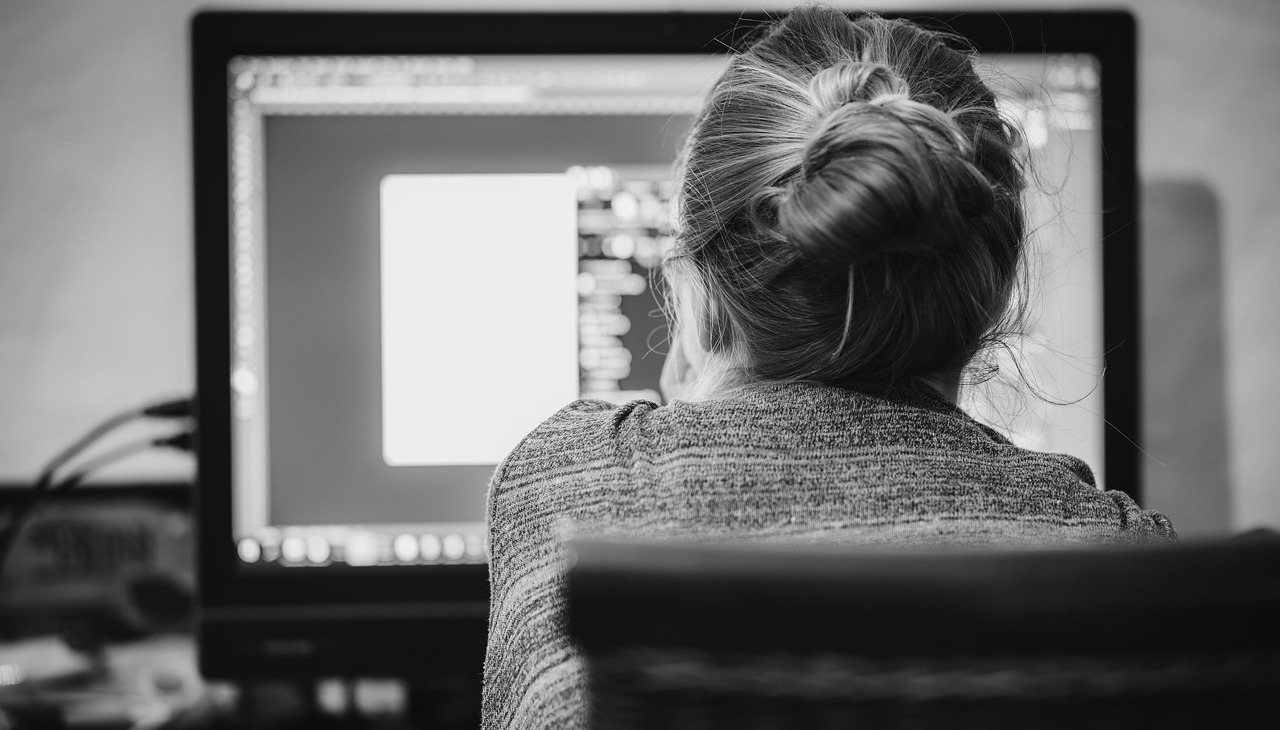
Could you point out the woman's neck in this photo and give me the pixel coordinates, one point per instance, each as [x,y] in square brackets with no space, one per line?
[948,388]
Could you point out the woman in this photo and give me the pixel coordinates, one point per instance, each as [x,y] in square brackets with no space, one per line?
[850,236]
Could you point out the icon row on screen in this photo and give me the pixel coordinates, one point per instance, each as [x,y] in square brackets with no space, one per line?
[358,547]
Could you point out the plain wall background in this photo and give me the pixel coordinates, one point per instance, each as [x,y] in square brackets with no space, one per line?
[95,229]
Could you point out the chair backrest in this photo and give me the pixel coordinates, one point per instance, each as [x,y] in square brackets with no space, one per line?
[750,636]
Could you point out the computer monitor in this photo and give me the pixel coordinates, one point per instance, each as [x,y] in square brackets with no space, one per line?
[419,235]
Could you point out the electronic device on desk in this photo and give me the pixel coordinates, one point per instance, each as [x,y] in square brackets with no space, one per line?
[419,235]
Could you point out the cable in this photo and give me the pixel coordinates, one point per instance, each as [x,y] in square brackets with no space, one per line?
[177,408]
[179,441]
[84,442]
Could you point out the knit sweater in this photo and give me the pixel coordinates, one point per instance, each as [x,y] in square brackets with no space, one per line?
[773,462]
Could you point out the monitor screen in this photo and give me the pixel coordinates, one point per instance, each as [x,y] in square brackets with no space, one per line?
[432,255]
[418,236]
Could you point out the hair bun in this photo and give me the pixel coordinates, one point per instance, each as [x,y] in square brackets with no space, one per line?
[852,81]
[880,173]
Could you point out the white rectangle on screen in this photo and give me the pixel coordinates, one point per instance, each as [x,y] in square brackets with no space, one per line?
[479,313]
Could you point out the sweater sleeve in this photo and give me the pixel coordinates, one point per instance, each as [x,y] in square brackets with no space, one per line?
[533,676]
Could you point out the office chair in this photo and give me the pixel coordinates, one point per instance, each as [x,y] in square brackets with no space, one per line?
[751,636]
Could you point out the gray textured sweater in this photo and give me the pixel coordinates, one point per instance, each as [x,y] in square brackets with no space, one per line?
[776,462]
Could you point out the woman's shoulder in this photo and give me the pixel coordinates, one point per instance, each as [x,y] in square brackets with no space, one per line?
[582,434]
[552,474]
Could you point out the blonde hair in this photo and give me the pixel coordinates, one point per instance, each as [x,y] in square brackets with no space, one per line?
[850,206]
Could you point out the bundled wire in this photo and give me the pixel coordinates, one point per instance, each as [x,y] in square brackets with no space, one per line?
[46,484]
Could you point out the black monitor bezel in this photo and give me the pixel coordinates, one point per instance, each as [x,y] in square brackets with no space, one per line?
[333,598]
